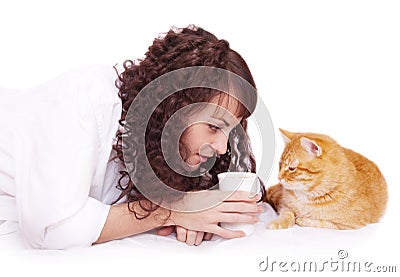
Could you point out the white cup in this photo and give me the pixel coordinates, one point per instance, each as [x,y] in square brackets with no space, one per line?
[246,181]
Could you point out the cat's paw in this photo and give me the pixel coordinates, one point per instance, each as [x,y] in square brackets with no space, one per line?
[316,223]
[301,221]
[280,223]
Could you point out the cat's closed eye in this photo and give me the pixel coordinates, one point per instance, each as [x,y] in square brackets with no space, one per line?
[292,168]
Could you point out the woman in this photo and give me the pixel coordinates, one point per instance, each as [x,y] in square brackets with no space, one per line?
[67,181]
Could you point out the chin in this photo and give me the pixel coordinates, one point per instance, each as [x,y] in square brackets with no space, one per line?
[193,162]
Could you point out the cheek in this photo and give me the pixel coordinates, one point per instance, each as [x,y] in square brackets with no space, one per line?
[184,145]
[198,134]
[287,176]
[187,135]
[302,177]
[291,176]
[192,139]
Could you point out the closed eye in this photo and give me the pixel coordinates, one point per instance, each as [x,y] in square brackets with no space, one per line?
[292,168]
[213,127]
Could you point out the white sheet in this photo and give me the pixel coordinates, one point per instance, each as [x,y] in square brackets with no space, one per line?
[149,252]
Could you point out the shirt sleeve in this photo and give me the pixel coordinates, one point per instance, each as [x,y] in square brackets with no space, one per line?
[79,230]
[57,146]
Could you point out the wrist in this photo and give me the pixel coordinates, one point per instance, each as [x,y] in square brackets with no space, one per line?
[163,217]
[169,217]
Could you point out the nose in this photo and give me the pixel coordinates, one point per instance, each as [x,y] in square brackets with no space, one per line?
[280,177]
[220,144]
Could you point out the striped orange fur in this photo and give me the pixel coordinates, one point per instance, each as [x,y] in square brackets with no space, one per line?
[322,184]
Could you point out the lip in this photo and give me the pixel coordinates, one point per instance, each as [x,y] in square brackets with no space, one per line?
[203,158]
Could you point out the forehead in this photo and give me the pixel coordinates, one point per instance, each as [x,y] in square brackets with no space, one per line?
[288,159]
[226,105]
[289,153]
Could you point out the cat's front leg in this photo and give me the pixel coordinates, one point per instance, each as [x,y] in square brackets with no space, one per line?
[309,222]
[283,221]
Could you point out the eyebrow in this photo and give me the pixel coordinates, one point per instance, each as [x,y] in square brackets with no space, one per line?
[223,120]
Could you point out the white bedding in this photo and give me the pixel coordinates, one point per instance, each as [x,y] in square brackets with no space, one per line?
[369,247]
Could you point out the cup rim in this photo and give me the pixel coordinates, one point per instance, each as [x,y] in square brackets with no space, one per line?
[236,174]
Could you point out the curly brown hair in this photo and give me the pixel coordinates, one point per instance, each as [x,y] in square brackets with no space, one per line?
[178,48]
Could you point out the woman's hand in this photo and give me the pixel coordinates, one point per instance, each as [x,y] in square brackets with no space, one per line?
[237,208]
[190,237]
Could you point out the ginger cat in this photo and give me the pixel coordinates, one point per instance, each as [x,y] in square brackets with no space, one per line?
[322,184]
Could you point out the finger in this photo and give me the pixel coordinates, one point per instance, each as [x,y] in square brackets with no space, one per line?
[191,237]
[181,233]
[246,196]
[238,218]
[208,236]
[228,234]
[166,231]
[199,238]
[242,207]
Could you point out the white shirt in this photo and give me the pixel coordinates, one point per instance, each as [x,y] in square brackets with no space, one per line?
[56,180]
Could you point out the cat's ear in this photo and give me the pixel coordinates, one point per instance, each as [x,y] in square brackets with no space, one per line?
[286,135]
[311,146]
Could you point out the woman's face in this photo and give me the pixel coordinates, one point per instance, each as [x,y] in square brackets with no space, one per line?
[209,130]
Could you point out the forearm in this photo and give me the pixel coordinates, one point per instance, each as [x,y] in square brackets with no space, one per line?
[239,208]
[121,222]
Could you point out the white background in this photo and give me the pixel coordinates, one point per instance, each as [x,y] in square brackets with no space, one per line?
[323,66]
